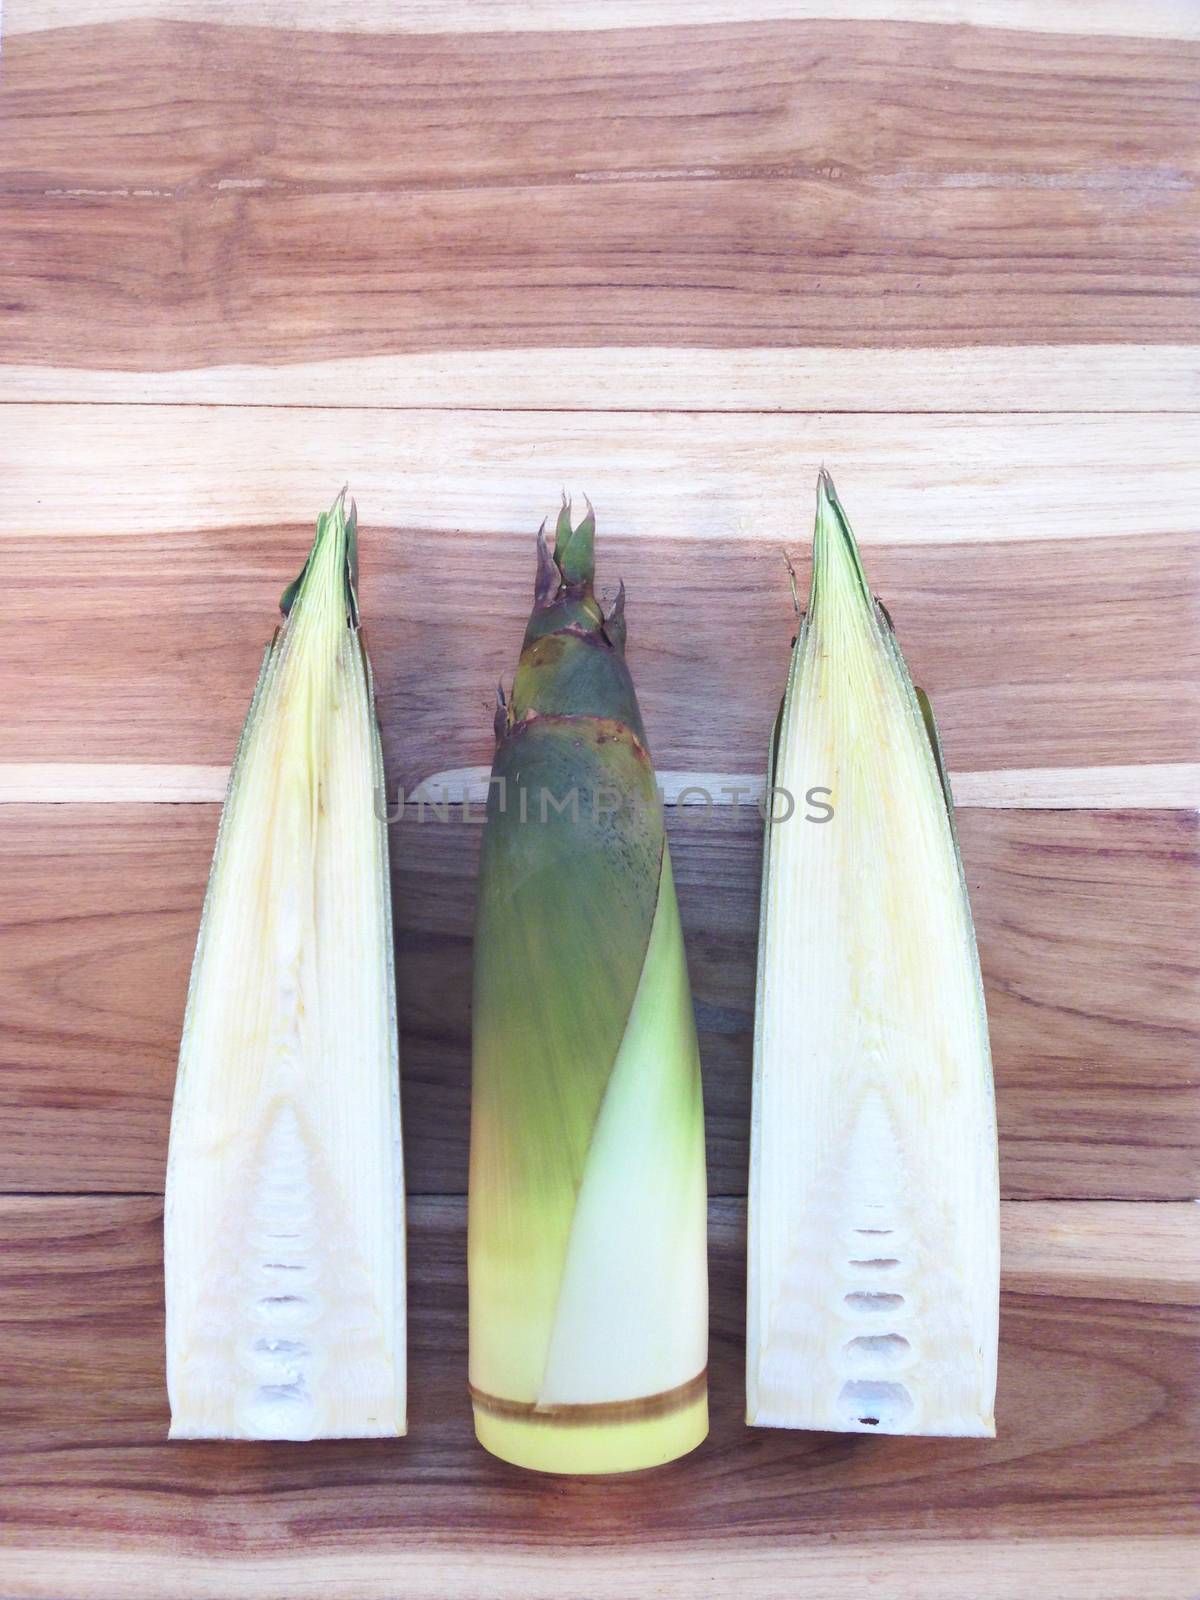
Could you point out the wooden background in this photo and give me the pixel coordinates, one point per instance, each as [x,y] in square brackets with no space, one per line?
[673,254]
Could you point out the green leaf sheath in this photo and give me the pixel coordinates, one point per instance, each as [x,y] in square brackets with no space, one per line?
[569,881]
[588,1300]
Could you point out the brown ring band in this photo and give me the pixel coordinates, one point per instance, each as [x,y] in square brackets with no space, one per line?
[599,1411]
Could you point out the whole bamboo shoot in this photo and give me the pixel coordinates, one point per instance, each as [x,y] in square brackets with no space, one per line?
[588,1281]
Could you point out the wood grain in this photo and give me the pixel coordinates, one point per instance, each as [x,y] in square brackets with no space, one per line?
[1036,653]
[32,782]
[966,378]
[1097,1413]
[1102,1567]
[1088,924]
[1156,19]
[207,194]
[1101,788]
[871,106]
[83,469]
[677,253]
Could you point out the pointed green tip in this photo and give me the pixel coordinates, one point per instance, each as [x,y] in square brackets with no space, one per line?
[837,567]
[341,526]
[574,548]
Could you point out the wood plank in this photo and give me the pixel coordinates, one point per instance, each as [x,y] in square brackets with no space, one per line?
[1089,923]
[1054,653]
[202,278]
[1151,19]
[1083,1247]
[101,783]
[1006,378]
[1162,787]
[934,479]
[1117,1567]
[148,110]
[1097,1411]
[1100,788]
[212,195]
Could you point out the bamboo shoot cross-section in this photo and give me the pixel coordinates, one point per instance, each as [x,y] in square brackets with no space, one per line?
[874,1205]
[284,1220]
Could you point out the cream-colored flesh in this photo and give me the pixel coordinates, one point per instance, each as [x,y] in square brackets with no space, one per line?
[874,1218]
[632,1317]
[284,1226]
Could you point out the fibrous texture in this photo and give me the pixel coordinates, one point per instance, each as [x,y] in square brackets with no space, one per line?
[284,1225]
[873,1209]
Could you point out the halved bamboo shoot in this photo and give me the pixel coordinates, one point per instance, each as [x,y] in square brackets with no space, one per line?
[284,1225]
[873,1208]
